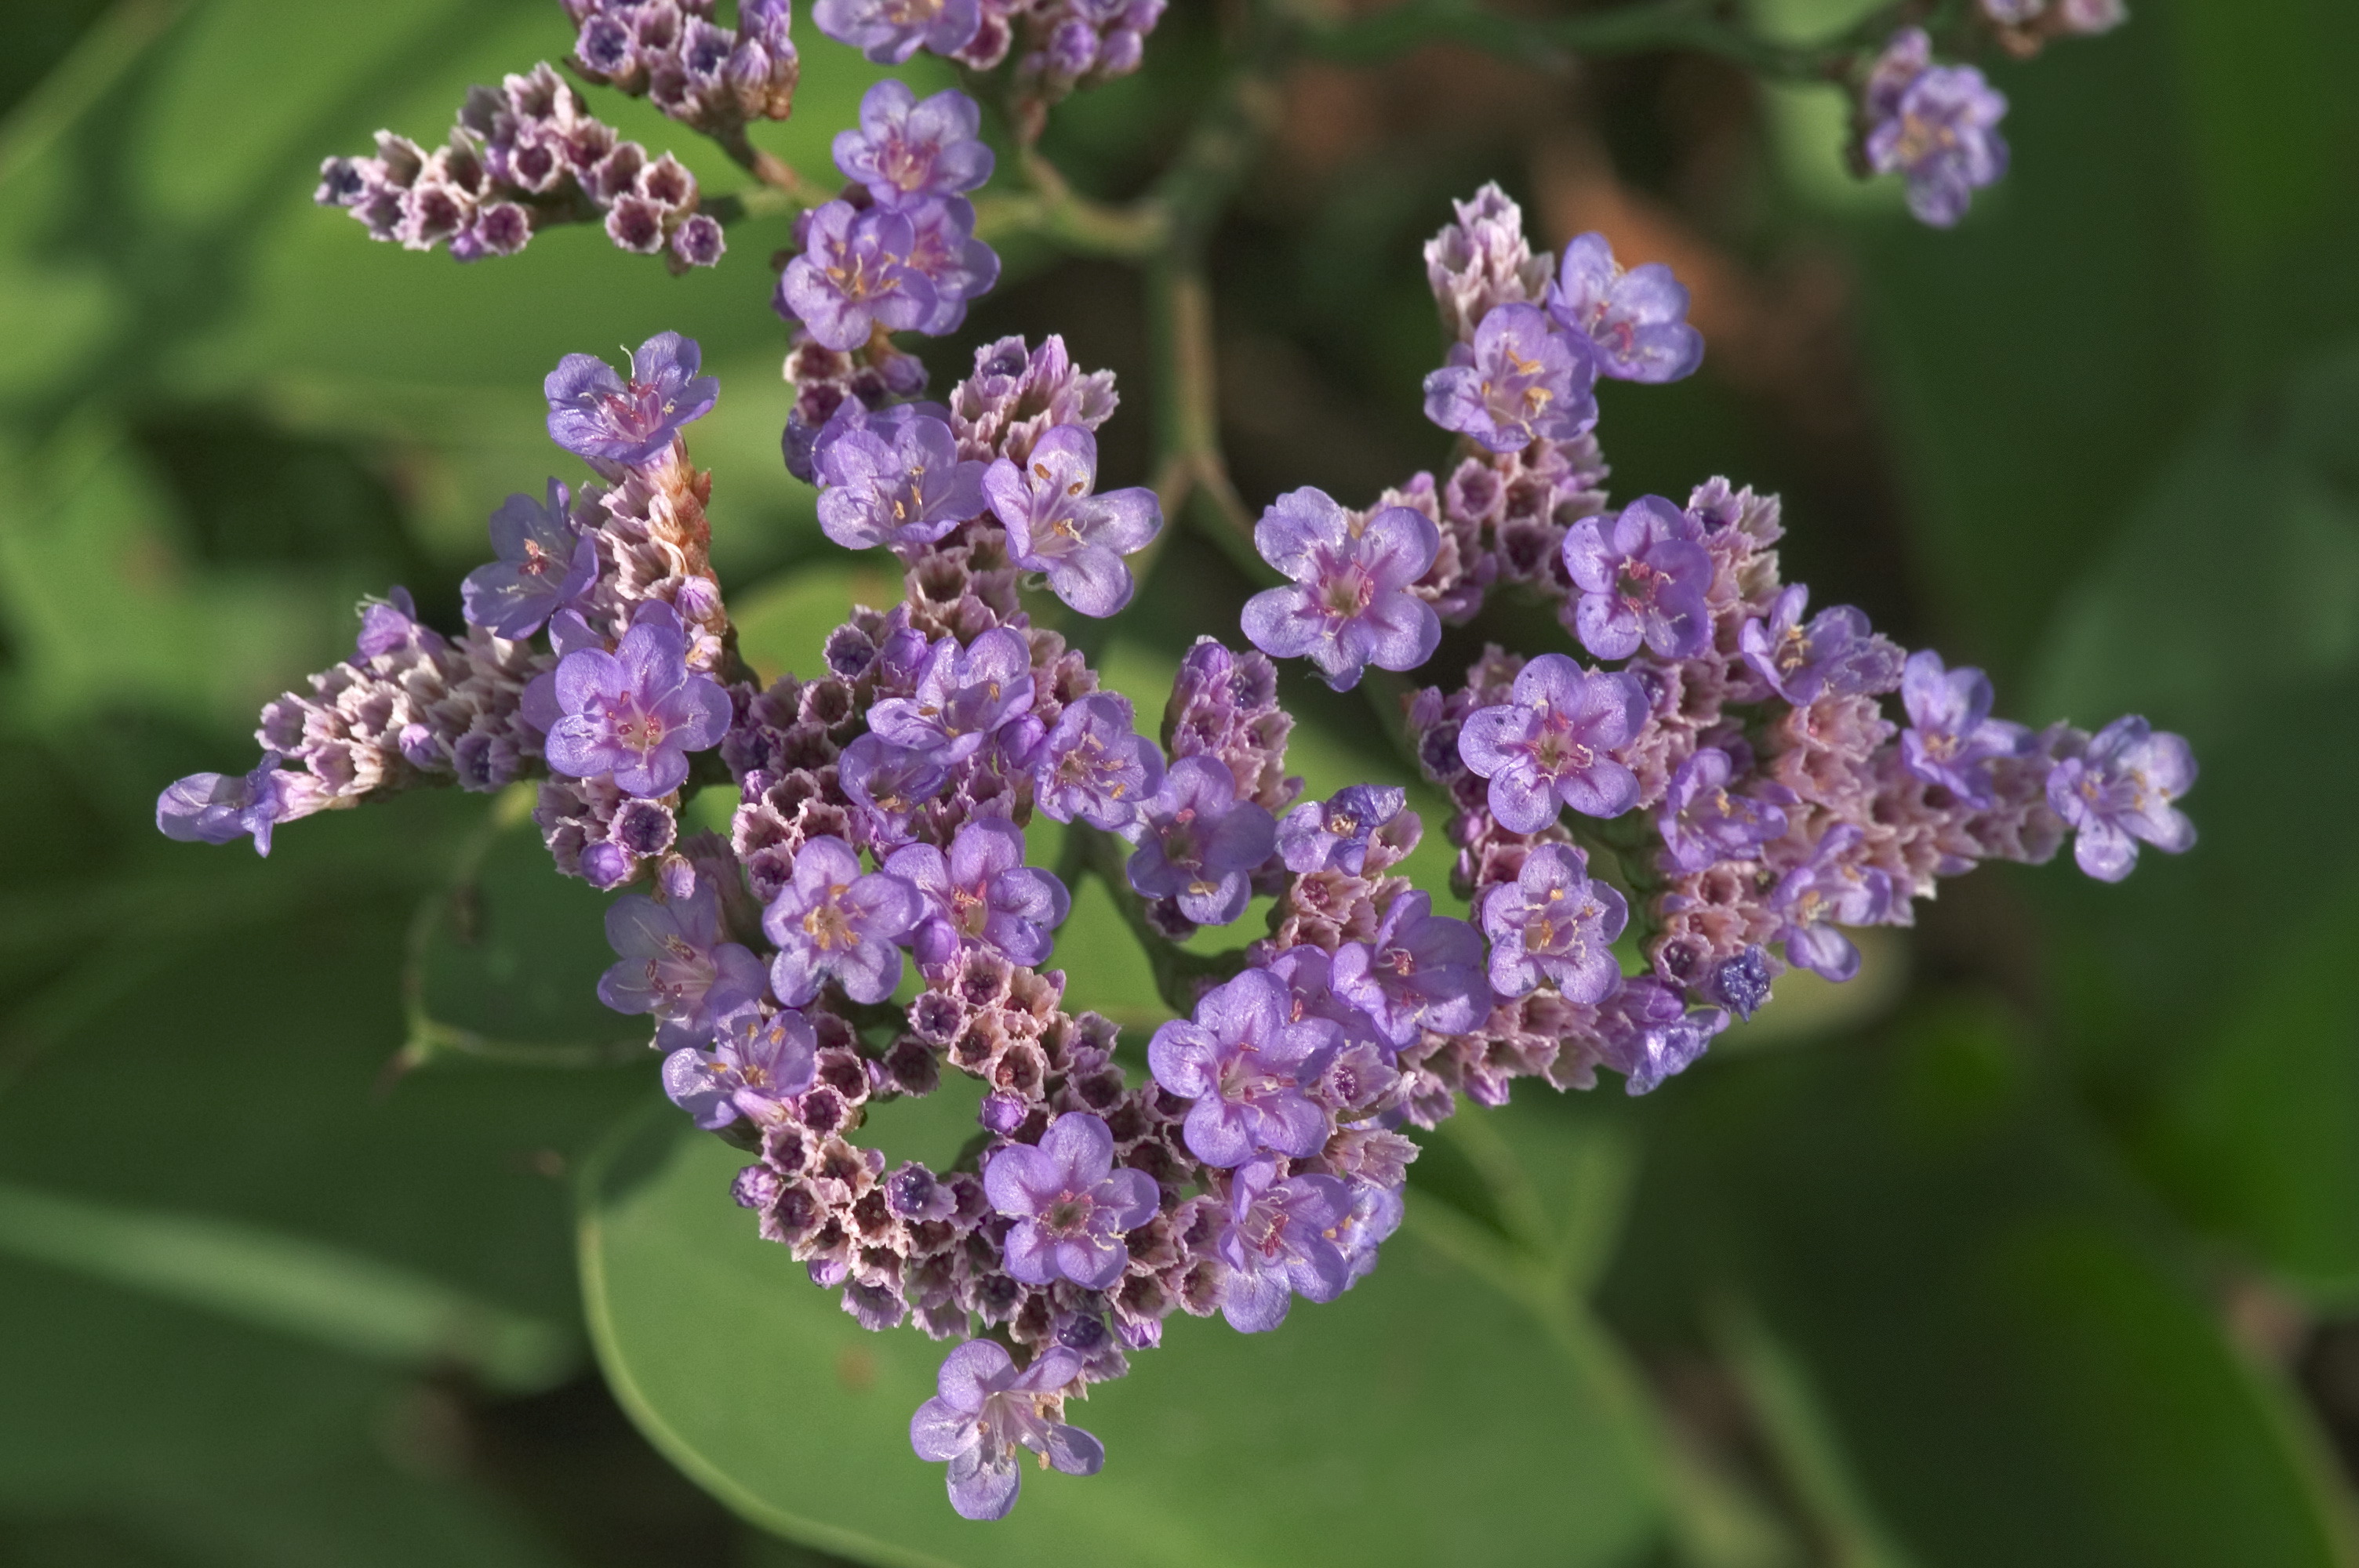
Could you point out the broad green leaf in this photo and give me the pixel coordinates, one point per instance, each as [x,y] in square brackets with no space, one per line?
[2006,1352]
[1424,1417]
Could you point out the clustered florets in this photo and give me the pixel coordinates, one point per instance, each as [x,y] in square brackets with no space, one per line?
[1731,798]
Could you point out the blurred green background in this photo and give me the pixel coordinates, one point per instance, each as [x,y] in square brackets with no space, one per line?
[339,1225]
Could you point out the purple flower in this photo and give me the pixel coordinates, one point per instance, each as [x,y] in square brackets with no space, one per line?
[1642,578]
[1702,822]
[890,32]
[390,625]
[1549,746]
[635,713]
[1201,842]
[1071,1206]
[986,1410]
[1055,525]
[1096,767]
[1277,1244]
[963,696]
[213,808]
[1647,1033]
[1834,656]
[1307,974]
[543,566]
[760,1063]
[908,147]
[1246,1061]
[1937,126]
[1952,739]
[982,893]
[892,481]
[2118,792]
[1350,605]
[1376,1213]
[854,277]
[945,253]
[1423,971]
[887,784]
[594,412]
[1518,381]
[674,963]
[832,920]
[1318,835]
[1636,320]
[1831,887]
[1554,923]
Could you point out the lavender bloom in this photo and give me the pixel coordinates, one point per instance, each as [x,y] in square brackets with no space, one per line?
[1636,320]
[1936,125]
[1376,1213]
[213,808]
[887,784]
[1247,1060]
[963,697]
[594,412]
[758,1064]
[1423,971]
[1647,1033]
[1549,746]
[1277,1245]
[2118,792]
[854,277]
[1055,525]
[1350,605]
[1953,739]
[675,963]
[390,625]
[1072,1204]
[1554,923]
[890,32]
[1096,767]
[907,148]
[1201,842]
[986,1410]
[1320,835]
[1307,974]
[832,920]
[982,893]
[635,713]
[1828,888]
[945,253]
[1518,381]
[1703,823]
[1642,578]
[543,566]
[892,481]
[1834,656]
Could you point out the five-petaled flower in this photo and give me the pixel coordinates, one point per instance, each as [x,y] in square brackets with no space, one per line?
[1279,1243]
[542,566]
[890,32]
[2118,793]
[1834,655]
[214,808]
[908,146]
[892,477]
[1071,1205]
[1829,888]
[1318,835]
[833,921]
[635,713]
[1552,923]
[595,413]
[1201,842]
[1423,971]
[1952,739]
[1551,744]
[1643,578]
[676,963]
[1636,320]
[1936,125]
[1518,381]
[986,1410]
[758,1062]
[1056,525]
[1096,767]
[964,696]
[855,276]
[981,894]
[1246,1061]
[1703,821]
[1351,604]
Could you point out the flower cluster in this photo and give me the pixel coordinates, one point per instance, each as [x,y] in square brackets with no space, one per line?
[521,157]
[1705,772]
[676,53]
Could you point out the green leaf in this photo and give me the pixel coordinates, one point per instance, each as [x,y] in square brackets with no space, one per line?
[1425,1418]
